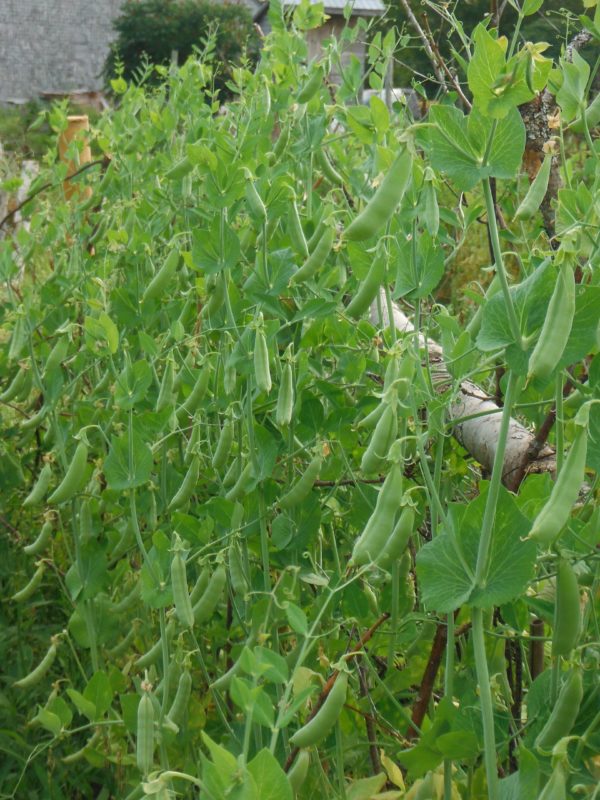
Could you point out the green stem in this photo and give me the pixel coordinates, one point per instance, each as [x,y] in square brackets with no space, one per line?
[395,615]
[485,699]
[558,424]
[448,692]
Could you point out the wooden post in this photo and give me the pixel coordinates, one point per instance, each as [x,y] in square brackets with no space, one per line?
[76,129]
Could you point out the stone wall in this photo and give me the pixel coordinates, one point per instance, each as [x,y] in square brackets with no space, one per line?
[53,46]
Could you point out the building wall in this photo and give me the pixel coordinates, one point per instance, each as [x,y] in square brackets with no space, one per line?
[333,28]
[53,45]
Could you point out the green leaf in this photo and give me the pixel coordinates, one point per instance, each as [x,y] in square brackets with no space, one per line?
[531,6]
[571,95]
[486,65]
[271,665]
[252,700]
[297,618]
[82,704]
[450,148]
[132,385]
[366,788]
[270,779]
[422,280]
[508,143]
[117,471]
[583,338]
[99,692]
[458,745]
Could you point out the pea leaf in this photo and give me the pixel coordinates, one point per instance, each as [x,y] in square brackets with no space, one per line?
[269,777]
[99,692]
[132,384]
[117,471]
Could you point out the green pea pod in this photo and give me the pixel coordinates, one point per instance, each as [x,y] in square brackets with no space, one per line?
[301,489]
[36,675]
[34,422]
[74,479]
[217,292]
[179,170]
[40,487]
[190,406]
[282,142]
[187,487]
[182,696]
[382,205]
[285,399]
[200,585]
[567,613]
[431,212]
[296,232]
[554,515]
[536,192]
[373,417]
[299,770]
[327,168]
[128,601]
[181,595]
[321,724]
[255,204]
[262,372]
[125,643]
[56,357]
[192,443]
[165,394]
[223,681]
[79,755]
[368,289]
[205,607]
[155,652]
[86,521]
[41,542]
[242,484]
[18,339]
[237,577]
[163,278]
[563,714]
[386,430]
[398,540]
[145,735]
[223,447]
[312,86]
[316,259]
[30,587]
[556,328]
[232,474]
[320,222]
[556,788]
[15,386]
[380,525]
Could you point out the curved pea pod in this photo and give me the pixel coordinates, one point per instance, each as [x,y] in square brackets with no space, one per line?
[205,607]
[563,714]
[567,616]
[556,788]
[78,755]
[382,205]
[321,724]
[125,643]
[327,168]
[182,695]
[398,539]
[144,752]
[40,487]
[301,489]
[242,484]
[255,204]
[152,656]
[179,170]
[74,479]
[368,289]
[386,430]
[316,259]
[181,595]
[200,585]
[224,680]
[299,770]
[196,396]
[262,372]
[16,386]
[380,525]
[36,675]
[56,357]
[312,86]
[237,577]
[41,542]
[30,587]
[165,394]
[128,601]
[285,398]
[193,441]
[373,417]
[296,232]
[18,338]
[160,282]
[282,141]
[554,515]
[536,192]
[86,521]
[216,293]
[232,473]
[557,325]
[187,487]
[34,422]
[223,447]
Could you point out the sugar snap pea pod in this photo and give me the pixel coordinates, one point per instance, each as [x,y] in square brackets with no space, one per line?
[299,770]
[232,473]
[536,192]
[125,643]
[179,170]
[181,699]
[34,422]
[15,386]
[224,680]
[327,168]
[282,141]
[554,515]
[296,232]
[160,282]
[192,443]
[431,212]
[242,484]
[86,521]
[301,489]
[563,714]
[78,755]
[187,487]
[373,417]
[285,398]
[36,675]
[216,293]
[556,788]
[316,259]
[319,726]
[57,356]
[144,752]
[567,615]
[312,86]
[30,587]
[165,393]
[255,204]
[384,434]
[398,540]
[205,607]
[74,478]
[128,601]
[41,542]
[380,525]
[181,595]
[368,289]
[557,325]
[223,447]
[17,339]
[200,585]
[40,487]
[262,373]
[195,397]
[320,223]
[152,656]
[382,205]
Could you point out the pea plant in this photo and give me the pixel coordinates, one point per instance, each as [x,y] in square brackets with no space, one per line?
[277,520]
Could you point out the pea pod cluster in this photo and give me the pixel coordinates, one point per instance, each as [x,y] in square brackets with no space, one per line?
[380,526]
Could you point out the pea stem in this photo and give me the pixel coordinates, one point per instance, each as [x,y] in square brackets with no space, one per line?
[559,423]
[485,699]
[448,692]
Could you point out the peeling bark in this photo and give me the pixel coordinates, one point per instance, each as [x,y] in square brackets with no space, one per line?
[479,435]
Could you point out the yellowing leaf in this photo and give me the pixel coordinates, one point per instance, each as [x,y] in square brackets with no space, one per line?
[393,771]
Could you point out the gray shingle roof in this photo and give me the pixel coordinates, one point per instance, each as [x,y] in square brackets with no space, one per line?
[365,8]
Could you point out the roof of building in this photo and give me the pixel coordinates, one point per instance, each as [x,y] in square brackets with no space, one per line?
[363,8]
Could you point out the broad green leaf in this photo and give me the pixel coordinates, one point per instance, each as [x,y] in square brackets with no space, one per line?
[296,618]
[271,665]
[583,338]
[571,96]
[366,788]
[270,779]
[450,148]
[508,143]
[120,475]
[99,692]
[132,384]
[485,67]
[82,704]
[418,281]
